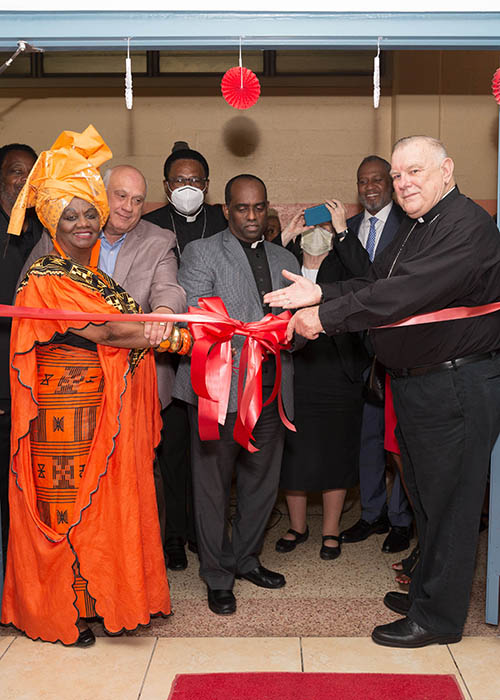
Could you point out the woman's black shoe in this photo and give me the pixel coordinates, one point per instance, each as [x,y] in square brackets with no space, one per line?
[86,638]
[283,545]
[330,552]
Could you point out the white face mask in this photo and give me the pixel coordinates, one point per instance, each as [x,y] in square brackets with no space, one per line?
[317,241]
[187,200]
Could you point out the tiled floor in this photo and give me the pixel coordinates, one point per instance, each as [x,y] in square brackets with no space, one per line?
[142,668]
[320,621]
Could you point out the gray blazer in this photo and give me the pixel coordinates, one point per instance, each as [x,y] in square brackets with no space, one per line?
[146,267]
[218,266]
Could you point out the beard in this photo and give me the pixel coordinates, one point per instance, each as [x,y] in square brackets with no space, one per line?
[8,195]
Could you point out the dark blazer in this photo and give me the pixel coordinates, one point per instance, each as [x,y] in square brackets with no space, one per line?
[347,259]
[396,215]
[218,266]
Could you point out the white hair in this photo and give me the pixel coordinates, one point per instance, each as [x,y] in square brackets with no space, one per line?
[107,176]
[437,146]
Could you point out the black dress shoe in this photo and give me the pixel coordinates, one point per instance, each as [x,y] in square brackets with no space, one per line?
[283,545]
[397,540]
[328,552]
[363,529]
[86,638]
[264,578]
[397,601]
[407,634]
[176,556]
[221,601]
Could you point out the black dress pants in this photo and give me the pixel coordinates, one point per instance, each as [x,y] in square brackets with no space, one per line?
[448,422]
[257,476]
[173,455]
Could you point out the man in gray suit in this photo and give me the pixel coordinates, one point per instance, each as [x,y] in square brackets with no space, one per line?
[140,256]
[239,266]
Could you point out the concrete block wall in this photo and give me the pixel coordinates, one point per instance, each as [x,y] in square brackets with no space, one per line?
[304,148]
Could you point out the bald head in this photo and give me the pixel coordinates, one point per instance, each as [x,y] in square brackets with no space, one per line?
[126,188]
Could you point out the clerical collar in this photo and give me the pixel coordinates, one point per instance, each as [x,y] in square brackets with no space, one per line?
[191,217]
[255,244]
[438,208]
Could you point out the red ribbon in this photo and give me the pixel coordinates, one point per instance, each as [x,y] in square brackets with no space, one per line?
[211,359]
[211,369]
[453,314]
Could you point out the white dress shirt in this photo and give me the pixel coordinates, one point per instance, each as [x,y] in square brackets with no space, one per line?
[379,225]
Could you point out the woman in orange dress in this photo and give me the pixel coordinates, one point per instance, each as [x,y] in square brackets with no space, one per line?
[85,538]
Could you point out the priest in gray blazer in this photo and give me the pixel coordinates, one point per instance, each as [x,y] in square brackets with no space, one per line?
[238,266]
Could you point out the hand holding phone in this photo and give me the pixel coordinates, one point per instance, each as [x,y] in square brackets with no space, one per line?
[316,215]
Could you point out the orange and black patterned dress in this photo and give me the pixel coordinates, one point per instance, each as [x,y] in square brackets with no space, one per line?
[85,537]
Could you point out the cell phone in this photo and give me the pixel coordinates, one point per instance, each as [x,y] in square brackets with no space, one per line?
[316,215]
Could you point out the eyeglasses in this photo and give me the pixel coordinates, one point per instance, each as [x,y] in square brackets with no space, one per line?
[194,181]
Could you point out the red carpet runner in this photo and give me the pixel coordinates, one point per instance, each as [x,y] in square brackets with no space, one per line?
[314,686]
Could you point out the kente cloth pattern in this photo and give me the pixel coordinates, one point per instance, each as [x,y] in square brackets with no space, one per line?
[68,169]
[70,387]
[110,549]
[90,279]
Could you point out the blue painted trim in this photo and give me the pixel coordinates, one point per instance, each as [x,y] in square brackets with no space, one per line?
[262,30]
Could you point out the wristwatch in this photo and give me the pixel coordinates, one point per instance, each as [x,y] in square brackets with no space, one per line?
[340,236]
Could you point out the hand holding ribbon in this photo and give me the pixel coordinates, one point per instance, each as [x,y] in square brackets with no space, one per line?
[211,368]
[211,360]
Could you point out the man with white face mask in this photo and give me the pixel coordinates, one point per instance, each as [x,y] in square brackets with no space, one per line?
[186,185]
[190,218]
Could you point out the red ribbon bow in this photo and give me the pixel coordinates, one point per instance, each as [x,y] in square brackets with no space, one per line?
[211,368]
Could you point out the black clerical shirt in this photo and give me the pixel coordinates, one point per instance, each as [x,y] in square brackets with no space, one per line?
[257,259]
[208,222]
[449,258]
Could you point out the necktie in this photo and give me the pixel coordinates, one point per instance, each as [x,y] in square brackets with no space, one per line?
[370,243]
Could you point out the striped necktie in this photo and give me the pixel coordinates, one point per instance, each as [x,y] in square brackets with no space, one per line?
[370,243]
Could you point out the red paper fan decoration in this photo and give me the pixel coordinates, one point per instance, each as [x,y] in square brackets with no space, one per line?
[495,86]
[240,87]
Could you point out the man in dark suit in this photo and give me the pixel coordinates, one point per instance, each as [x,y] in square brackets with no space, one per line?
[239,266]
[188,215]
[375,227]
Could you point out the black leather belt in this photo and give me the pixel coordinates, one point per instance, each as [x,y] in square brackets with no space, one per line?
[450,364]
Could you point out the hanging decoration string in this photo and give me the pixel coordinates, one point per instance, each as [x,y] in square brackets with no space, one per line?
[240,86]
[129,95]
[22,46]
[376,76]
[241,69]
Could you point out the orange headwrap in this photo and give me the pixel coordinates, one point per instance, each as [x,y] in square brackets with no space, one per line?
[69,169]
